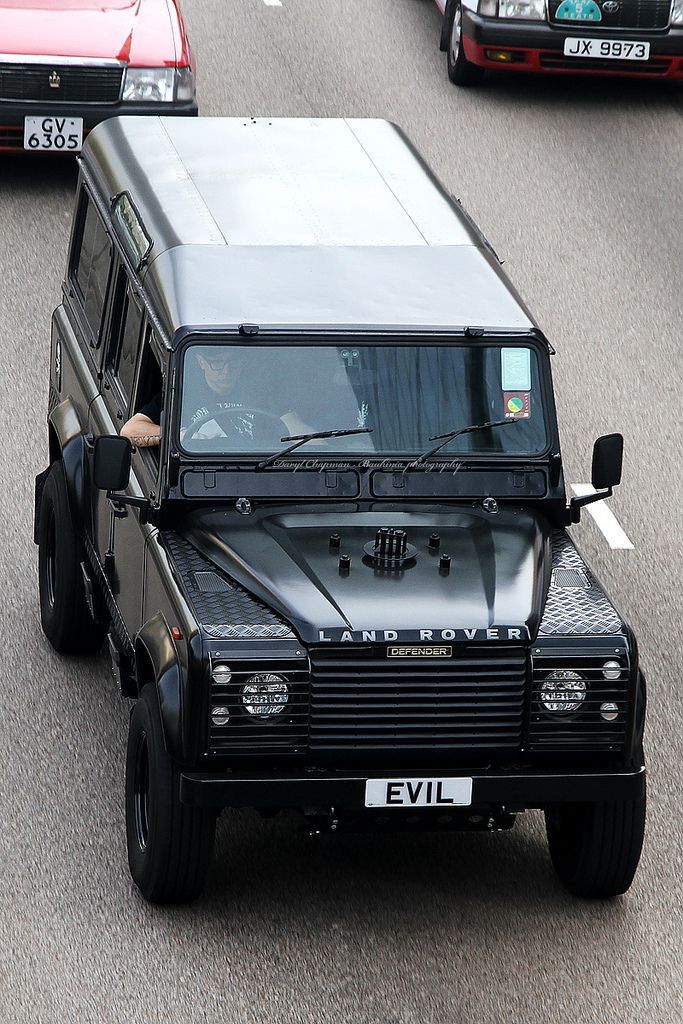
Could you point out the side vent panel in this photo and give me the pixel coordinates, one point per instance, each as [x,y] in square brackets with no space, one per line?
[210,583]
[570,579]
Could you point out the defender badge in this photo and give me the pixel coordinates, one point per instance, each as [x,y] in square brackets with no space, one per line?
[419,652]
[54,80]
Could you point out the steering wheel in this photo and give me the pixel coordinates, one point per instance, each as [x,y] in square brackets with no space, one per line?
[233,414]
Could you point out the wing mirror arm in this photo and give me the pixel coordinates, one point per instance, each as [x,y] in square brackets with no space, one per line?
[119,501]
[578,502]
[126,499]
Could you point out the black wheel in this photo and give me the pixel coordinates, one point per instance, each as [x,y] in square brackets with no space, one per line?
[64,613]
[169,844]
[460,70]
[443,41]
[595,847]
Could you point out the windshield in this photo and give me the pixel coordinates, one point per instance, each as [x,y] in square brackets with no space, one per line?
[239,400]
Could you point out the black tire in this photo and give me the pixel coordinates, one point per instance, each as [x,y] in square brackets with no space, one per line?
[443,41]
[64,613]
[169,843]
[460,70]
[595,847]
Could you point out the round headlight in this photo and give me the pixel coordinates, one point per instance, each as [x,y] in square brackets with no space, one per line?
[563,691]
[611,670]
[264,695]
[221,674]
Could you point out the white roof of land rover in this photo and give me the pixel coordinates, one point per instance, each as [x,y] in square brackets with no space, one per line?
[299,222]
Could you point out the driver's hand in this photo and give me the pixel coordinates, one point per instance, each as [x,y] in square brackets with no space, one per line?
[209,432]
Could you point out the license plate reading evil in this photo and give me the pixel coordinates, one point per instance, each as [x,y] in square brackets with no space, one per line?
[606,49]
[418,792]
[59,134]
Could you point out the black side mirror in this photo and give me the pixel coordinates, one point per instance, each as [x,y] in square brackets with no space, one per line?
[608,456]
[111,462]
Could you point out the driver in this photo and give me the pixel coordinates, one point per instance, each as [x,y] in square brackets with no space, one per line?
[214,388]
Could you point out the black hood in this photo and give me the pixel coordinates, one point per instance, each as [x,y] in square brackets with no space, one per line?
[498,576]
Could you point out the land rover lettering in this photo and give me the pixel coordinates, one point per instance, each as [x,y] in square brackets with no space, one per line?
[412,636]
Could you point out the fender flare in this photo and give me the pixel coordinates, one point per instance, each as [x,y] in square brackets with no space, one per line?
[157,661]
[67,442]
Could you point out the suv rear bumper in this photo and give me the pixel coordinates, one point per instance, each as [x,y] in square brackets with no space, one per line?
[538,46]
[346,790]
[12,116]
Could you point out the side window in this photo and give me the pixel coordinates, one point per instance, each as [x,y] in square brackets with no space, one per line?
[131,323]
[91,265]
[124,336]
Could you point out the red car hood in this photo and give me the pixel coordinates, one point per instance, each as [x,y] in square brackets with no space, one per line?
[140,32]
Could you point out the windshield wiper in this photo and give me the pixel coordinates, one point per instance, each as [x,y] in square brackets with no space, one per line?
[445,438]
[300,439]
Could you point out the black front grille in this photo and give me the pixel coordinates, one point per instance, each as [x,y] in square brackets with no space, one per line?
[362,701]
[638,14]
[56,83]
[584,729]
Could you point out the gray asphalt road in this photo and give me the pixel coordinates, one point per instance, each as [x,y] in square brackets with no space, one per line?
[578,185]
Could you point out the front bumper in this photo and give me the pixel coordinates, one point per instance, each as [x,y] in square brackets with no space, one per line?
[343,790]
[12,116]
[538,46]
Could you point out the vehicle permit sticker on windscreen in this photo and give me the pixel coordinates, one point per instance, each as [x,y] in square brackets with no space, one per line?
[517,405]
[515,369]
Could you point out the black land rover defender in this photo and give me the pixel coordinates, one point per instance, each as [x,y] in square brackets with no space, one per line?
[341,581]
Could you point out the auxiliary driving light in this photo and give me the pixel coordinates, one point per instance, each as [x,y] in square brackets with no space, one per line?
[611,670]
[264,695]
[563,691]
[221,674]
[609,711]
[220,715]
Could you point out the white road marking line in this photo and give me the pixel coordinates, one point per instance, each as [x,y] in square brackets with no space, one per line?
[273,3]
[605,519]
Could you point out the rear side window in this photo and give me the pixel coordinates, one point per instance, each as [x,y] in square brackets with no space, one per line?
[92,264]
[128,349]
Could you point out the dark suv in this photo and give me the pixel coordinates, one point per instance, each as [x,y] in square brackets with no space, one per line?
[334,572]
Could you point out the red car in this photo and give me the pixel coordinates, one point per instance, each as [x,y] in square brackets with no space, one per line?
[637,38]
[66,65]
